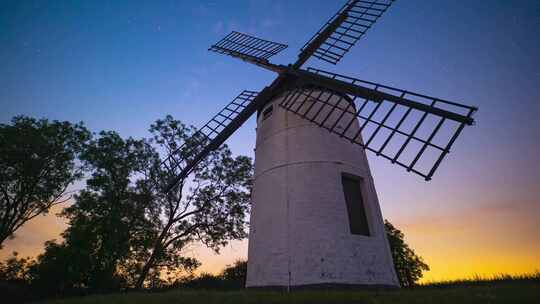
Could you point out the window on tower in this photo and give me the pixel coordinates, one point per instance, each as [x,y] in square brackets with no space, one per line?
[352,189]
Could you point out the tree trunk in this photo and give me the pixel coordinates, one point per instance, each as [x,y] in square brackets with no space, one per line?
[146,268]
[150,262]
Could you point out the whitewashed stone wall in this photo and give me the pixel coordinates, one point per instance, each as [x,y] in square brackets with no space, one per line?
[299,230]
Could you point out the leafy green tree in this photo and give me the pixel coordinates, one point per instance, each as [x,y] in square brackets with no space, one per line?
[211,206]
[15,278]
[231,278]
[236,273]
[109,226]
[111,211]
[37,164]
[15,269]
[409,266]
[60,270]
[125,231]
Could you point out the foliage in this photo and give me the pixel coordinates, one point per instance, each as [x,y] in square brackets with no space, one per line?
[124,231]
[37,164]
[205,281]
[233,277]
[14,279]
[108,224]
[60,270]
[408,265]
[236,273]
[15,269]
[211,210]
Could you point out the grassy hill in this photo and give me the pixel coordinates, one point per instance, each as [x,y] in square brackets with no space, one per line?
[499,291]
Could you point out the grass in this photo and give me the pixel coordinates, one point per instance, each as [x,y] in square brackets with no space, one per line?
[501,289]
[481,280]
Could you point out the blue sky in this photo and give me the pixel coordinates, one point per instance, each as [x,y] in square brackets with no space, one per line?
[121,65]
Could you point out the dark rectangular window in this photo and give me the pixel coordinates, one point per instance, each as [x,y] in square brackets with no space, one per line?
[267,112]
[352,188]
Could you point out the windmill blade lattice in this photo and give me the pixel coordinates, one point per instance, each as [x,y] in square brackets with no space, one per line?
[409,137]
[247,47]
[341,32]
[209,137]
[412,130]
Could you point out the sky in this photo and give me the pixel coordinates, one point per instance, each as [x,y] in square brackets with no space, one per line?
[121,65]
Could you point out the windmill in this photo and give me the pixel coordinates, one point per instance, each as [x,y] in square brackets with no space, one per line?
[315,214]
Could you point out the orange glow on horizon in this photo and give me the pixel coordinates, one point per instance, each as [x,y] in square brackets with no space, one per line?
[455,246]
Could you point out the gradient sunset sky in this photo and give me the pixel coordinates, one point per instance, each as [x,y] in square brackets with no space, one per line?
[121,65]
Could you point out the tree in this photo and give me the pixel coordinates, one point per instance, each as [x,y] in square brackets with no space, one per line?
[212,209]
[60,270]
[231,278]
[15,278]
[37,164]
[108,223]
[125,231]
[236,273]
[110,215]
[15,269]
[408,265]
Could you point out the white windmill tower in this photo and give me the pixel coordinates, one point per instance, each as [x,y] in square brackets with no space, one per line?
[315,215]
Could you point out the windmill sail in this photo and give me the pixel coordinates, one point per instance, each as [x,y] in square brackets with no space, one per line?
[341,32]
[247,47]
[411,130]
[210,136]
